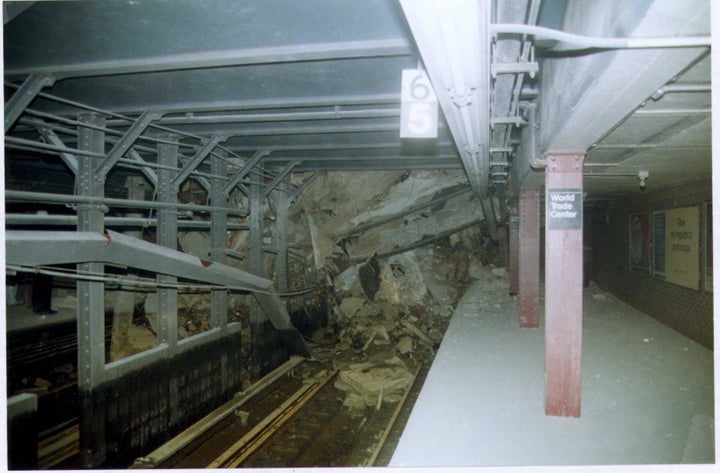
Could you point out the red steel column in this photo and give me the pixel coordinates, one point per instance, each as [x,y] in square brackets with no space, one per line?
[563,284]
[529,264]
[514,229]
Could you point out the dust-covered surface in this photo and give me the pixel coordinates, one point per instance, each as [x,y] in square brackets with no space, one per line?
[647,392]
[388,318]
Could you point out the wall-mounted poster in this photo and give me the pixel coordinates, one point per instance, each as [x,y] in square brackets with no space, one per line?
[677,242]
[659,244]
[640,242]
[708,247]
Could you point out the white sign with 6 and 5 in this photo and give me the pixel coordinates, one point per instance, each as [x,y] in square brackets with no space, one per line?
[418,106]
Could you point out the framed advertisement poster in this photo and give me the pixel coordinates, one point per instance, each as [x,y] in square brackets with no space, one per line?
[676,256]
[659,244]
[640,242]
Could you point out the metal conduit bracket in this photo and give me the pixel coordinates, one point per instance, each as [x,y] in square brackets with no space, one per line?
[462,99]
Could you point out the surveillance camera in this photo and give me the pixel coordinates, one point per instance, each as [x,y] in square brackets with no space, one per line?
[642,184]
[642,176]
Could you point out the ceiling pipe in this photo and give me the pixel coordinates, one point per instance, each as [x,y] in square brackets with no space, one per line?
[24,196]
[575,41]
[70,220]
[680,88]
[280,116]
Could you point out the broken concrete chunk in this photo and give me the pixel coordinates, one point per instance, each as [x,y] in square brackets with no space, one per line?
[388,285]
[395,361]
[242,416]
[476,269]
[410,277]
[371,383]
[196,243]
[416,331]
[500,272]
[351,306]
[379,331]
[345,281]
[354,401]
[405,345]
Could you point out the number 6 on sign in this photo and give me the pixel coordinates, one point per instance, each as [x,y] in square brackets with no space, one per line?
[418,106]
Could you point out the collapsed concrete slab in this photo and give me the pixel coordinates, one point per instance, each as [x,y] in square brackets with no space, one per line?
[338,207]
[416,230]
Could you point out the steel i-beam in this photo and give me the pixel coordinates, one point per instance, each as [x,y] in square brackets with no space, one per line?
[218,233]
[281,238]
[305,184]
[197,159]
[167,237]
[70,159]
[22,97]
[219,239]
[91,300]
[278,179]
[256,267]
[245,170]
[123,144]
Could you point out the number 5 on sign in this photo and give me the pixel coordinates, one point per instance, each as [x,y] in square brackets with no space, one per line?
[418,106]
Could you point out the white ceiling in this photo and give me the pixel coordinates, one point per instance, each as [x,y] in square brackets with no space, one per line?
[318,81]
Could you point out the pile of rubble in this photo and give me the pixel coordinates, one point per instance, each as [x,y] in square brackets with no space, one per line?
[390,316]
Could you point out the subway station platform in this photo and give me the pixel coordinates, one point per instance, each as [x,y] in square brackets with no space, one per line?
[647,392]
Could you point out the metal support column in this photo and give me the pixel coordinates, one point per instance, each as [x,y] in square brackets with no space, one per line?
[563,284]
[281,237]
[219,237]
[529,264]
[218,233]
[91,300]
[513,250]
[256,268]
[167,237]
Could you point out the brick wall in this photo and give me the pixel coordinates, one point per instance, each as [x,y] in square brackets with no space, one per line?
[688,311]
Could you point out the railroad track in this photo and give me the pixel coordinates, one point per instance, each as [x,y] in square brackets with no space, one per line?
[294,417]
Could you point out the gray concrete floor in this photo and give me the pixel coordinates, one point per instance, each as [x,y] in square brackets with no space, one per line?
[647,392]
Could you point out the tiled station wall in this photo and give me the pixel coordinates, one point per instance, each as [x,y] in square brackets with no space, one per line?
[688,311]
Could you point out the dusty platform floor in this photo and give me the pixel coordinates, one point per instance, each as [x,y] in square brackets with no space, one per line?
[647,392]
